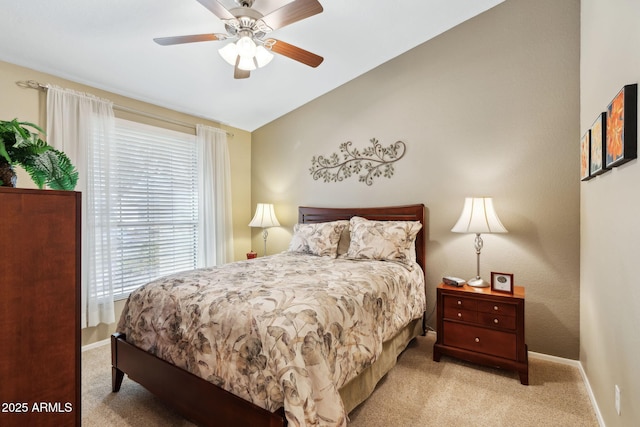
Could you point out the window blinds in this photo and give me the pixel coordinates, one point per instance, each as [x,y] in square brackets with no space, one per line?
[152,205]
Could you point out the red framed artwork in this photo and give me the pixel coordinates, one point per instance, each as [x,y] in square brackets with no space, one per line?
[622,127]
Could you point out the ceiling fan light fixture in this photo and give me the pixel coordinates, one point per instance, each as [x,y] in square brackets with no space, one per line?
[246,63]
[263,56]
[260,58]
[246,47]
[229,53]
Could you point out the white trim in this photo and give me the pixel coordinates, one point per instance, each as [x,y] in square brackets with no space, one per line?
[556,359]
[96,345]
[585,379]
[592,397]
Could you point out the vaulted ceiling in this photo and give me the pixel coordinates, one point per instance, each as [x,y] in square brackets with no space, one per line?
[109,45]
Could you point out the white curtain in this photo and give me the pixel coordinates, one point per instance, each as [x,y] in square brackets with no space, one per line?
[76,123]
[215,222]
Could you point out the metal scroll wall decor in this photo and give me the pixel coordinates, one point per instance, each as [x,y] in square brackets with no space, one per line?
[372,162]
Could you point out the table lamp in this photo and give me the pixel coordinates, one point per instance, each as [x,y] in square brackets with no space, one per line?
[478,216]
[264,217]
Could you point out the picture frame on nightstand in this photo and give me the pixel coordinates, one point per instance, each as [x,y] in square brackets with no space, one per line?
[502,282]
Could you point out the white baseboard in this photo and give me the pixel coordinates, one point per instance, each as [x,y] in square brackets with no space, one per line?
[585,379]
[592,397]
[556,359]
[96,344]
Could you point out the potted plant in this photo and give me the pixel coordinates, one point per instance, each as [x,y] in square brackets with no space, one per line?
[21,146]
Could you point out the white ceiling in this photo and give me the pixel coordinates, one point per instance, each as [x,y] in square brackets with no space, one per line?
[108,45]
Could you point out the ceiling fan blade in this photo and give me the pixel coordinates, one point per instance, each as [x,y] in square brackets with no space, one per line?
[292,12]
[167,41]
[241,74]
[217,9]
[295,53]
[238,73]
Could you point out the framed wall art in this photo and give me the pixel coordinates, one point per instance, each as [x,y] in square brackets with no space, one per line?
[585,156]
[622,127]
[598,137]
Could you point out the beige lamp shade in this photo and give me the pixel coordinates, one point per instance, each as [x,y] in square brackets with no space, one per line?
[478,216]
[264,217]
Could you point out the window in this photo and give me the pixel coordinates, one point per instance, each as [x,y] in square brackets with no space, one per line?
[152,206]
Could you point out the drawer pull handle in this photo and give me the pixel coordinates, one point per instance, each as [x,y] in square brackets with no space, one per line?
[495,321]
[459,314]
[495,307]
[459,302]
[477,339]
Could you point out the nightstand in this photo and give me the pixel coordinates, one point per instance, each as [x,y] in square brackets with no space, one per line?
[482,326]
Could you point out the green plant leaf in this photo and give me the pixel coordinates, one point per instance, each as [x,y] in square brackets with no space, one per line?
[66,177]
[44,164]
[3,151]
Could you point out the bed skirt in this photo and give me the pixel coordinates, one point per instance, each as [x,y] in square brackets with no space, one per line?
[357,390]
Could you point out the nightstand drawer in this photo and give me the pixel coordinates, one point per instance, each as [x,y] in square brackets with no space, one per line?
[455,313]
[460,303]
[482,340]
[496,320]
[497,308]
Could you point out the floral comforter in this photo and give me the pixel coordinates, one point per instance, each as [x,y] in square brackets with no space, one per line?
[284,330]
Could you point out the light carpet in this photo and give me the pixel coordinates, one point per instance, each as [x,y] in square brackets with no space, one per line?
[417,392]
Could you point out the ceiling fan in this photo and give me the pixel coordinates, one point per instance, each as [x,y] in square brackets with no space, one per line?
[250,27]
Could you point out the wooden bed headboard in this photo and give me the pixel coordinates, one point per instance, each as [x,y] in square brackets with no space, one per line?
[387,213]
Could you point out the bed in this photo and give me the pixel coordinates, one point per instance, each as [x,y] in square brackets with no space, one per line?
[315,384]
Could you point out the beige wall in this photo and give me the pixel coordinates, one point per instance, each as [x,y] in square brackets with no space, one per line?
[610,209]
[29,105]
[488,108]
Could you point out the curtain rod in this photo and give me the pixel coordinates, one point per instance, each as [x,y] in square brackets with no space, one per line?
[32,84]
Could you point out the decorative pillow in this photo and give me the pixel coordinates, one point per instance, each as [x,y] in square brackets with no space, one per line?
[345,238]
[383,240]
[320,238]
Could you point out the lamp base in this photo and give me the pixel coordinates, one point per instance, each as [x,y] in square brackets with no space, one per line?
[478,282]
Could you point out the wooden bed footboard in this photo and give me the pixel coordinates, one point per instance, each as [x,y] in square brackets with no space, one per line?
[196,399]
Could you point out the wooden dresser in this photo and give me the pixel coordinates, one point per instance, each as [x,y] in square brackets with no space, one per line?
[482,326]
[39,307]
